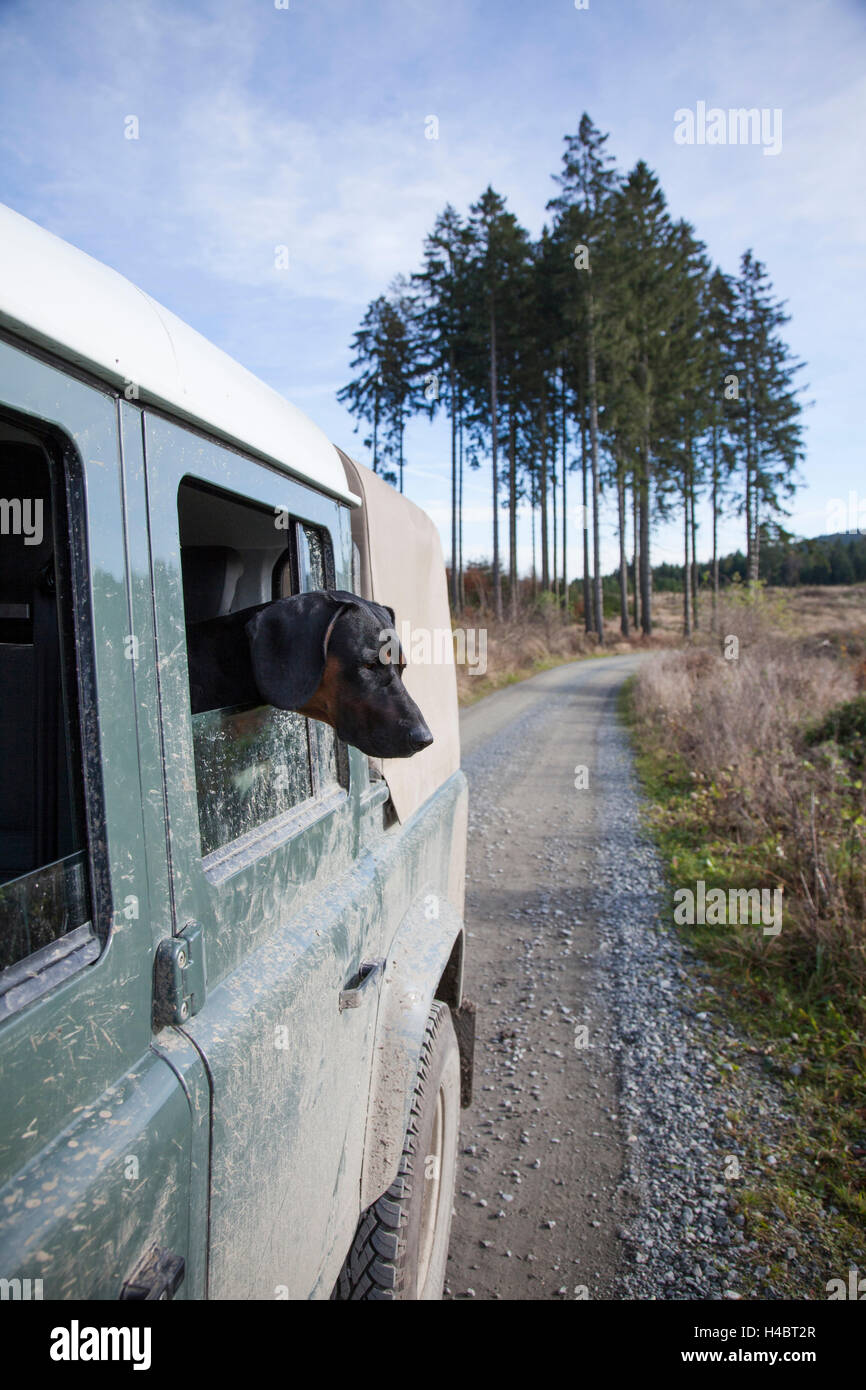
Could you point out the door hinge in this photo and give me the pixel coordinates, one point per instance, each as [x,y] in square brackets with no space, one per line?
[179,977]
[155,1278]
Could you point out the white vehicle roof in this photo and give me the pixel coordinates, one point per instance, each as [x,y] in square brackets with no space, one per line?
[58,298]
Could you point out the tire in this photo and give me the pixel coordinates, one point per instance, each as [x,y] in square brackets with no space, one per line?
[401,1245]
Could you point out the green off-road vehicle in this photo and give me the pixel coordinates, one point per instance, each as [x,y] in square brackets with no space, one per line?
[233,1043]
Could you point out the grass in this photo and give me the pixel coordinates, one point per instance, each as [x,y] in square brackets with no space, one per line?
[535,641]
[806,609]
[477,687]
[752,775]
[538,639]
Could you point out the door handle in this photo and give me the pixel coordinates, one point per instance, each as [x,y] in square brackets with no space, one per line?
[368,971]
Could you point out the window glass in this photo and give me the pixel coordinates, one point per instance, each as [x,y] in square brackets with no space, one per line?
[312,564]
[253,763]
[44,890]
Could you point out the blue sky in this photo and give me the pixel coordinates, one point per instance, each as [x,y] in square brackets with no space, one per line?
[305,127]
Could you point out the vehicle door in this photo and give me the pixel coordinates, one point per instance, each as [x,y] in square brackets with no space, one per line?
[262,816]
[101,1186]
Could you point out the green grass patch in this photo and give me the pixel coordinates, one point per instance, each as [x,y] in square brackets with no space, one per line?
[793,1023]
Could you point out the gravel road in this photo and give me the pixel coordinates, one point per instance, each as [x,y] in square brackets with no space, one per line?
[592,1160]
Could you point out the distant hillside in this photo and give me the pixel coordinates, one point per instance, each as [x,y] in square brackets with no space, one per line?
[836,559]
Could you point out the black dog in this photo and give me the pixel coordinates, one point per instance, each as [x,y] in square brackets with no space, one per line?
[324,654]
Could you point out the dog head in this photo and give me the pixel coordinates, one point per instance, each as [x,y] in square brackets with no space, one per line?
[335,657]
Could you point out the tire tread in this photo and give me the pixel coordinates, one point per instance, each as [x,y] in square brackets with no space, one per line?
[373,1268]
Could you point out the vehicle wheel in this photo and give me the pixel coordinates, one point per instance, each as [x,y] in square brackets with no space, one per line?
[401,1245]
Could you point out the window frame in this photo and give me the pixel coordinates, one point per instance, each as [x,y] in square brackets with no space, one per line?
[225,860]
[34,974]
[311,845]
[177,451]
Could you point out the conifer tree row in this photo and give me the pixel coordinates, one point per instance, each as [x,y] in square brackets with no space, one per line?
[607,358]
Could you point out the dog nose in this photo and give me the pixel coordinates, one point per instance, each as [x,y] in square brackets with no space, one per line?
[420,737]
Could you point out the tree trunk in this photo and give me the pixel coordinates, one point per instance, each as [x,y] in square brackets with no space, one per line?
[694,551]
[494,428]
[542,500]
[554,557]
[755,569]
[400,437]
[687,578]
[461,586]
[636,540]
[512,509]
[749,496]
[645,570]
[564,505]
[587,606]
[598,612]
[715,518]
[645,577]
[453,403]
[532,519]
[623,563]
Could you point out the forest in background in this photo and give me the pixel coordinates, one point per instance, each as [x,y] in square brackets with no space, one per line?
[608,354]
[786,562]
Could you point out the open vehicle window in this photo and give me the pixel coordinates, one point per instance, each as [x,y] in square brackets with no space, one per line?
[44,883]
[252,763]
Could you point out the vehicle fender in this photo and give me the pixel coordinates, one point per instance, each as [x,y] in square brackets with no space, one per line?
[420,954]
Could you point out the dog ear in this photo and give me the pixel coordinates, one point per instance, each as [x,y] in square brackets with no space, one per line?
[391,628]
[369,606]
[287,647]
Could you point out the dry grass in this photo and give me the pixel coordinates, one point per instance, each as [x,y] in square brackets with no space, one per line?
[740,726]
[826,609]
[817,609]
[742,715]
[516,649]
[538,639]
[756,770]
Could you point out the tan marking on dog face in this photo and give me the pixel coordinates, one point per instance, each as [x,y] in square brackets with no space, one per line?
[324,701]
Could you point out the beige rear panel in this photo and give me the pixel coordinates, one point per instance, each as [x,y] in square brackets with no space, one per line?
[402,566]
